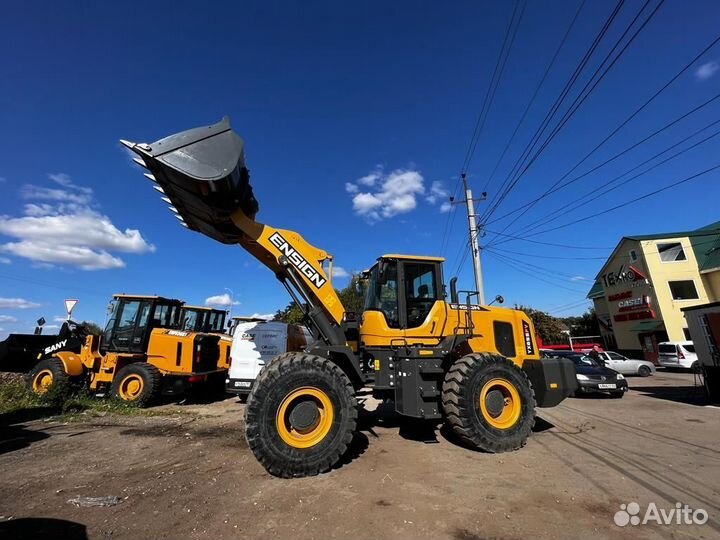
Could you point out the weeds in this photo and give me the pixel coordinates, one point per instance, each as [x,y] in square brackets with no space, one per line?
[16,399]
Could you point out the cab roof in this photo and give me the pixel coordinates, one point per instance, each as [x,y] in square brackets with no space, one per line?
[413,257]
[148,297]
[203,308]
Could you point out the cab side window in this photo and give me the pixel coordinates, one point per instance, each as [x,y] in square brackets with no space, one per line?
[420,292]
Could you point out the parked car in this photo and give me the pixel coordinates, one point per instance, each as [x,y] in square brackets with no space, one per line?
[626,366]
[592,377]
[678,354]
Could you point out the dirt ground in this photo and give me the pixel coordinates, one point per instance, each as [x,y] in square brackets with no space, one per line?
[192,476]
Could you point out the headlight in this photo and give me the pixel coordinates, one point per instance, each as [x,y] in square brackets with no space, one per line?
[620,376]
[581,377]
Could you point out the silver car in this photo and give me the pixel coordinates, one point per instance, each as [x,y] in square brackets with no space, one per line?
[626,366]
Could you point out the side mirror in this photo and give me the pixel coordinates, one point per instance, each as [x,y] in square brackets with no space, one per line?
[382,272]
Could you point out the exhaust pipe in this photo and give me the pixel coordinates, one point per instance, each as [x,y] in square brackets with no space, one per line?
[202,175]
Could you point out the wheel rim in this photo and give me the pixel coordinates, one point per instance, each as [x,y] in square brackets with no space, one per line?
[131,387]
[500,403]
[42,381]
[305,417]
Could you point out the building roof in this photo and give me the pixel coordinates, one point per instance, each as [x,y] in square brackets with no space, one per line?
[596,291]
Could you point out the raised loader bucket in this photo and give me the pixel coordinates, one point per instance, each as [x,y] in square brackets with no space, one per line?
[201,172]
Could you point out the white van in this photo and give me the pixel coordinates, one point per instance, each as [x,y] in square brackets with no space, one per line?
[677,354]
[257,342]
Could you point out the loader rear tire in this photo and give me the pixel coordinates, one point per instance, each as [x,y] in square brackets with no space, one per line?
[48,376]
[489,402]
[137,383]
[300,416]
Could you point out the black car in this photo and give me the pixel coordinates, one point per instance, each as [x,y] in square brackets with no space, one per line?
[592,377]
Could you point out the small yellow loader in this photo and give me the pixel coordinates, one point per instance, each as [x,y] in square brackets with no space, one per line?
[475,367]
[142,354]
[209,321]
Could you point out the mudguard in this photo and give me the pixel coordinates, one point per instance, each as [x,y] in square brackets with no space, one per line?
[71,361]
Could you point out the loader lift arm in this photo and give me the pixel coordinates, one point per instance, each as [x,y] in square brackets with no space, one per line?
[201,173]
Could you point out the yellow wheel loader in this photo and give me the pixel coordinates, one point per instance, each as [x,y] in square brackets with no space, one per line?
[475,367]
[209,321]
[142,353]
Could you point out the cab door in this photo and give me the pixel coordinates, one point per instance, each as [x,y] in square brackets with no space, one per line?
[422,302]
[381,324]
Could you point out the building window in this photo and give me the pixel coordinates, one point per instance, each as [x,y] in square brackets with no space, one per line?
[686,331]
[633,256]
[671,252]
[683,290]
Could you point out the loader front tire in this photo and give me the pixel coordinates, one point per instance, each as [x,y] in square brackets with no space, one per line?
[300,416]
[137,383]
[488,402]
[48,375]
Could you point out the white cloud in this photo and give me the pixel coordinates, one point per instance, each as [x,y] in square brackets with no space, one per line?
[59,319]
[706,70]
[351,188]
[394,193]
[578,278]
[266,316]
[445,207]
[437,193]
[221,300]
[7,318]
[17,303]
[68,231]
[51,327]
[340,272]
[5,260]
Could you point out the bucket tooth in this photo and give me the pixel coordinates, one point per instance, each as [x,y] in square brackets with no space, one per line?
[127,144]
[158,188]
[139,162]
[174,210]
[149,177]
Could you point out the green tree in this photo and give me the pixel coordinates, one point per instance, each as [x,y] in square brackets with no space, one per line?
[549,328]
[352,300]
[91,328]
[583,325]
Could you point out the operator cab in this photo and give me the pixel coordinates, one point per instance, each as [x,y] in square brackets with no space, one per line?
[404,289]
[203,319]
[132,319]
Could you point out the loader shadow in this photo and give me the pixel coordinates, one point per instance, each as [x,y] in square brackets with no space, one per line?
[34,528]
[385,416]
[688,394]
[14,435]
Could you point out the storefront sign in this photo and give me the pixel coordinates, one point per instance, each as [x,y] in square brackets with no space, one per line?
[630,276]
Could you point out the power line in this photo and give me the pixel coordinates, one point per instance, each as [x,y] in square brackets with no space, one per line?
[535,93]
[623,124]
[584,94]
[505,186]
[503,250]
[583,200]
[636,199]
[480,121]
[528,273]
[616,156]
[568,246]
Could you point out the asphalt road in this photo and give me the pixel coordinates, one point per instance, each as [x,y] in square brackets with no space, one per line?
[191,475]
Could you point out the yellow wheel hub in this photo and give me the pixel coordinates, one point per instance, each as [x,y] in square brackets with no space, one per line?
[500,403]
[42,381]
[305,417]
[131,387]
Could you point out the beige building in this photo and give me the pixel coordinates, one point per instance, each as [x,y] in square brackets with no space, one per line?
[641,289]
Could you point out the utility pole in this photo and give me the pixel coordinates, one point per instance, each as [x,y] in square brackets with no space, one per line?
[474,245]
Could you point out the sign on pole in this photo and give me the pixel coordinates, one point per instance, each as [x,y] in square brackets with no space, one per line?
[69,306]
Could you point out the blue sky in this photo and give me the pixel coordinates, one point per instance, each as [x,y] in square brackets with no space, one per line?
[356,119]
